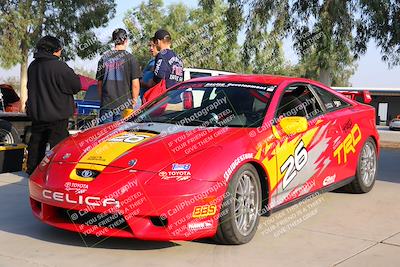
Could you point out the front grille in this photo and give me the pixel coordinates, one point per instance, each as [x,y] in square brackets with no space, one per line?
[108,220]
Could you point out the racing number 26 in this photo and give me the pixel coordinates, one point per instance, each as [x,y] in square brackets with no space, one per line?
[294,164]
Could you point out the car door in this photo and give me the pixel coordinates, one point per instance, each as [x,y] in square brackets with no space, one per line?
[298,154]
[344,136]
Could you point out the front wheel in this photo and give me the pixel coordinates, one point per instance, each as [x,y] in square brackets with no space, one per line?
[240,209]
[366,169]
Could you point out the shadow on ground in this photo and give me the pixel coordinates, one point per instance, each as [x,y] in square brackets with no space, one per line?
[389,165]
[16,217]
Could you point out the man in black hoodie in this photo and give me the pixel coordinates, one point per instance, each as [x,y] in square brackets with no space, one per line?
[51,86]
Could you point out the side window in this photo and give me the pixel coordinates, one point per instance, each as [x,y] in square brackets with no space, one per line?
[298,100]
[330,101]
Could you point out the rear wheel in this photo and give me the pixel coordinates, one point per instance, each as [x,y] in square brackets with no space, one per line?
[366,169]
[240,209]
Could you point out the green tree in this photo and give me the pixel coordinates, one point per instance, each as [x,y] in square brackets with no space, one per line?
[23,22]
[262,49]
[381,22]
[323,33]
[200,35]
[142,22]
[308,68]
[327,35]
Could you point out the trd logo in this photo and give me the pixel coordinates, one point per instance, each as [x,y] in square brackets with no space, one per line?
[348,145]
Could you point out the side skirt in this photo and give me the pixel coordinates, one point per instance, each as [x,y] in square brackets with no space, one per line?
[322,190]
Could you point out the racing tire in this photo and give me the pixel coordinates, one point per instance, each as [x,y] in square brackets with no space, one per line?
[239,215]
[366,169]
[8,134]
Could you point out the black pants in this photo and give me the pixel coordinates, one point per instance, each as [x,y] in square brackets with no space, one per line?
[44,133]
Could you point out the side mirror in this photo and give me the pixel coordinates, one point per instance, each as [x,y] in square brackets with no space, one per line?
[294,125]
[188,100]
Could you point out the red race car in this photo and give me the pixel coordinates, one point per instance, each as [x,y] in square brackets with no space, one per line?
[207,159]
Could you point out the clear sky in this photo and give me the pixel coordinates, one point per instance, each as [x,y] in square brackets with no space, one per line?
[371,71]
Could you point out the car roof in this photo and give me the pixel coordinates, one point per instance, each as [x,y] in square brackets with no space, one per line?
[251,78]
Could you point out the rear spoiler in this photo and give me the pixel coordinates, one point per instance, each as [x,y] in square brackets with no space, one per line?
[365,95]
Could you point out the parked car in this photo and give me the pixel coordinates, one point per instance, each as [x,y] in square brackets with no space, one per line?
[395,123]
[207,159]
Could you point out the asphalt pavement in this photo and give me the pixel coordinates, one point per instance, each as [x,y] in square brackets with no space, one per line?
[333,229]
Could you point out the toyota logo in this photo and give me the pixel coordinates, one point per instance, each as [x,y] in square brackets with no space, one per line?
[87,173]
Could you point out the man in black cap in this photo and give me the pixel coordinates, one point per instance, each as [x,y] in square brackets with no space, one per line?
[51,86]
[169,66]
[118,75]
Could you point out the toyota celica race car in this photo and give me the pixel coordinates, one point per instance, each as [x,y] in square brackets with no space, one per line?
[207,159]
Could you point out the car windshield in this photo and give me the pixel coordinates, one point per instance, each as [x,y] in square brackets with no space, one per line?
[210,105]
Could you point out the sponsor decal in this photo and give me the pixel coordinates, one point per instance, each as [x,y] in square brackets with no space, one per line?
[81,200]
[329,180]
[96,158]
[273,155]
[204,211]
[244,85]
[348,145]
[235,163]
[294,164]
[181,167]
[200,225]
[176,175]
[76,188]
[130,138]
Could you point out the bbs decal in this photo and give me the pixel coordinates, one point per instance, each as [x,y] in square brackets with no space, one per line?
[129,138]
[294,164]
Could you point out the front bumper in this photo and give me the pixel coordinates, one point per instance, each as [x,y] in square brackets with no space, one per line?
[152,210]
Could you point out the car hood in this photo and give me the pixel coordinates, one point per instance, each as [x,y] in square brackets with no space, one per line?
[139,146]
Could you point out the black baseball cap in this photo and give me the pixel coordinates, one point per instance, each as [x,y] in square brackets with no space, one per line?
[119,36]
[161,34]
[49,44]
